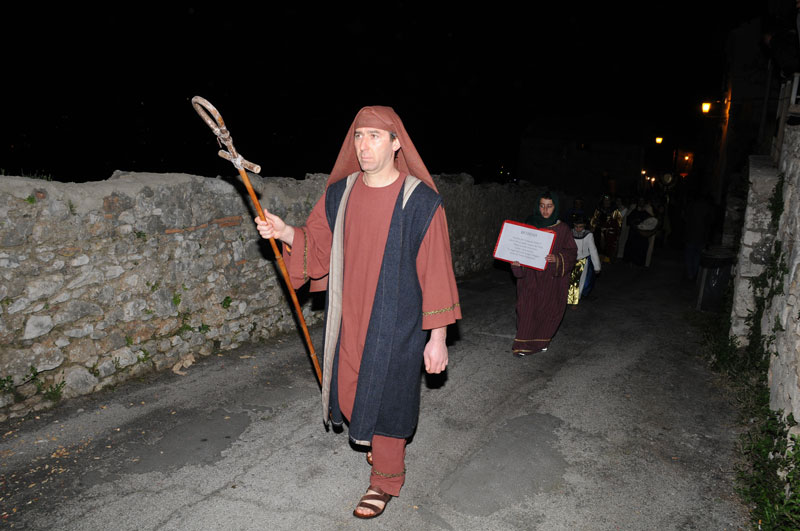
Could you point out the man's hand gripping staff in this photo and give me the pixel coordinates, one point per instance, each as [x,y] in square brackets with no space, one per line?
[206,111]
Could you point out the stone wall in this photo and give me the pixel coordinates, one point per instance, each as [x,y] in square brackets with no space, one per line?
[104,281]
[755,245]
[782,316]
[773,248]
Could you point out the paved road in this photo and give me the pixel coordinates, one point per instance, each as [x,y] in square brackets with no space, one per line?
[617,426]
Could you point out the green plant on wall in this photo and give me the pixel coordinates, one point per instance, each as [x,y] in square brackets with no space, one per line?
[185,326]
[53,392]
[769,478]
[33,377]
[7,384]
[144,356]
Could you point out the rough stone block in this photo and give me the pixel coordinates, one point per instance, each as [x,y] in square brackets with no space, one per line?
[79,260]
[43,287]
[46,357]
[78,382]
[86,278]
[81,351]
[6,399]
[75,310]
[18,305]
[37,326]
[751,237]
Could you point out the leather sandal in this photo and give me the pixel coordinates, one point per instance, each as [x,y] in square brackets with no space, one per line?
[369,457]
[363,503]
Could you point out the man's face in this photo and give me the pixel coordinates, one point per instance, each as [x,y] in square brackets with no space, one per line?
[579,227]
[546,207]
[374,149]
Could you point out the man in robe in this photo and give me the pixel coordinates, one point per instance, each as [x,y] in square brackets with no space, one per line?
[379,235]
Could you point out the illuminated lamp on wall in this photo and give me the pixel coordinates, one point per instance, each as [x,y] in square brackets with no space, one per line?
[684,162]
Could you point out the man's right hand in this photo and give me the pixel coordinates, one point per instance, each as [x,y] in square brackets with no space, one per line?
[274,227]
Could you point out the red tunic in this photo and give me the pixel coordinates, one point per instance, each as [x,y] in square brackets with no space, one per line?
[366,230]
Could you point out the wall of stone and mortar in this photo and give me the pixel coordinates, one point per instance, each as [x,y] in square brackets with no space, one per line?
[781,319]
[101,282]
[782,316]
[755,244]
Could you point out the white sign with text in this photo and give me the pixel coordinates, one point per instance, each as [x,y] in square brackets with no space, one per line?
[524,244]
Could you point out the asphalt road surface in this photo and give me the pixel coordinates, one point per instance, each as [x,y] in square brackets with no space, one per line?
[618,425]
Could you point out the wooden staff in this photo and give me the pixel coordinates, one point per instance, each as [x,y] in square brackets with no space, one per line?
[203,108]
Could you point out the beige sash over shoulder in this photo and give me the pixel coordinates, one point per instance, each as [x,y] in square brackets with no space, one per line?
[335,283]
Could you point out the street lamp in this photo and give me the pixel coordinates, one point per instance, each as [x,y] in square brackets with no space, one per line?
[706,107]
[659,140]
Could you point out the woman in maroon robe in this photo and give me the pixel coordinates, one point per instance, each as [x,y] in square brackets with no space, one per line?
[542,295]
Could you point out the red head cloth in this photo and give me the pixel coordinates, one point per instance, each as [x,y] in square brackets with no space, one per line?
[379,117]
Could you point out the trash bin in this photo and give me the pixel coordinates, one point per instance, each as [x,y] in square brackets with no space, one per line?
[715,275]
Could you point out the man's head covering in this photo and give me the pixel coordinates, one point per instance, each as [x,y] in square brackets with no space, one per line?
[379,117]
[536,218]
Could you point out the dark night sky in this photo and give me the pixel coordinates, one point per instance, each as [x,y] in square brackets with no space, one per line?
[90,92]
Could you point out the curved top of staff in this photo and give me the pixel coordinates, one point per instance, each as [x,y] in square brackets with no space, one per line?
[217,125]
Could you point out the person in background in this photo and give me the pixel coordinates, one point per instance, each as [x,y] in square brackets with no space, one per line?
[542,295]
[624,208]
[587,266]
[642,224]
[576,210]
[605,224]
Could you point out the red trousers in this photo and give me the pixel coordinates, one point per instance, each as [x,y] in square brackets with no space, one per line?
[388,459]
[388,464]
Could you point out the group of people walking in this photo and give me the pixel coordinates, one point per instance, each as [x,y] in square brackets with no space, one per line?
[581,246]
